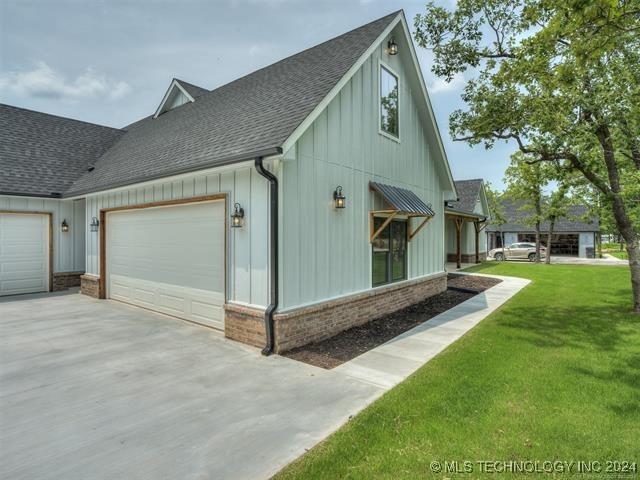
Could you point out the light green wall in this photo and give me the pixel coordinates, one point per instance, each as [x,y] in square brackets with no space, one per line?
[247,247]
[325,252]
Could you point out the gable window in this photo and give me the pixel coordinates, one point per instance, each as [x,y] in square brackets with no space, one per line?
[389,103]
[389,253]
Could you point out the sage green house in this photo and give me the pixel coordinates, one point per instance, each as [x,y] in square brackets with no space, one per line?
[295,202]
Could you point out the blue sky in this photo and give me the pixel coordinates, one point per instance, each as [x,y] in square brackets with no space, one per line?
[110,61]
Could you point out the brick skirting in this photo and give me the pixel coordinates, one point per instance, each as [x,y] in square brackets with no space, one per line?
[64,280]
[317,322]
[244,324]
[90,285]
[466,257]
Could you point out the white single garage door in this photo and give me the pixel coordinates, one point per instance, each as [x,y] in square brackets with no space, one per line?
[169,259]
[24,253]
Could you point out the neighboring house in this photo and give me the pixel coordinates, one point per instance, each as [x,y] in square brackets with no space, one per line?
[465,221]
[574,235]
[282,208]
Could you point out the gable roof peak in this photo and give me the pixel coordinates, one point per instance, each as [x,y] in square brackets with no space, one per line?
[178,93]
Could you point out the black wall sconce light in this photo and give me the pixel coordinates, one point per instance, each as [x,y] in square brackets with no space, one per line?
[392,47]
[64,226]
[338,197]
[237,217]
[94,225]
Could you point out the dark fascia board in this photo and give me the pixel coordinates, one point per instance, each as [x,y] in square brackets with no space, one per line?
[33,195]
[218,163]
[464,214]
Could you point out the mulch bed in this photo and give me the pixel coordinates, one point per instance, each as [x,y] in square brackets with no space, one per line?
[349,344]
[471,282]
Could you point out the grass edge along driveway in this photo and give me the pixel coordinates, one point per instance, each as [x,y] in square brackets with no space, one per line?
[554,375]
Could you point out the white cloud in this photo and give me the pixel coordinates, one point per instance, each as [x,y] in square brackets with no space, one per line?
[43,81]
[439,85]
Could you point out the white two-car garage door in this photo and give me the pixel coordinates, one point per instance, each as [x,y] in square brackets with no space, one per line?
[170,259]
[24,253]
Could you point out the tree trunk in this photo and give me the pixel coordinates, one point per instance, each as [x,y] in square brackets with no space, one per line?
[538,241]
[538,203]
[552,223]
[633,251]
[628,233]
[623,222]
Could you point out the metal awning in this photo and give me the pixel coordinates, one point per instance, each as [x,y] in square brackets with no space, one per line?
[402,202]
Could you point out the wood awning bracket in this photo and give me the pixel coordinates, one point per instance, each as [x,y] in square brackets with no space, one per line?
[373,233]
[479,226]
[420,227]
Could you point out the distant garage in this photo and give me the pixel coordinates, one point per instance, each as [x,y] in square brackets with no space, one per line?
[561,243]
[170,259]
[25,257]
[573,235]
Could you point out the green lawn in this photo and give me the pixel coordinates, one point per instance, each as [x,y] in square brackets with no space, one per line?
[552,375]
[622,255]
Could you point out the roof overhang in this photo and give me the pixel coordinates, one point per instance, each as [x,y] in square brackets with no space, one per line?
[266,154]
[401,202]
[470,215]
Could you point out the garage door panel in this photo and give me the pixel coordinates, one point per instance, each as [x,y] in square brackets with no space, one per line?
[169,259]
[24,253]
[31,267]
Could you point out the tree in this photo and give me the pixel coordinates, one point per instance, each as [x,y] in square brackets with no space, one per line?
[559,79]
[496,210]
[556,208]
[526,181]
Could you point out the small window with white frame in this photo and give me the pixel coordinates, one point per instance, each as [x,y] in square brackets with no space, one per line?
[389,103]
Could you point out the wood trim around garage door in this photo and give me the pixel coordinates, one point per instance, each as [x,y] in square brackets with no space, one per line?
[50,214]
[102,290]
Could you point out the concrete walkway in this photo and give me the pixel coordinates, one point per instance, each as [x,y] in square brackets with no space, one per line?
[607,260]
[392,362]
[452,267]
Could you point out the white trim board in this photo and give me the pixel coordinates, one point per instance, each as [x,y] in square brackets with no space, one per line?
[378,101]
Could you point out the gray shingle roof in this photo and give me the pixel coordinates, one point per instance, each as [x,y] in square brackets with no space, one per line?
[516,213]
[468,191]
[252,115]
[41,154]
[194,90]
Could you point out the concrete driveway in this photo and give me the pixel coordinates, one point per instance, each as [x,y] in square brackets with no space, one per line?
[98,389]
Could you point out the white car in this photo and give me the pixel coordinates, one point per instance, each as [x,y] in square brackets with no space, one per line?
[517,251]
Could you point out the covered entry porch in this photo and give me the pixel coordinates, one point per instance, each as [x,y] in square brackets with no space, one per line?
[465,244]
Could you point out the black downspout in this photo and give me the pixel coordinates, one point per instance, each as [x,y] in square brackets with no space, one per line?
[273,256]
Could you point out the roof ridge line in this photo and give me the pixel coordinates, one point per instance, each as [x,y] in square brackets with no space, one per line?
[302,51]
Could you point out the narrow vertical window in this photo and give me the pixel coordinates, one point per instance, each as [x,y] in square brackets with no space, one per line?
[389,102]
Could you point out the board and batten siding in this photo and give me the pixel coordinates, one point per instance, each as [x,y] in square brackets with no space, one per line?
[325,251]
[68,248]
[247,247]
